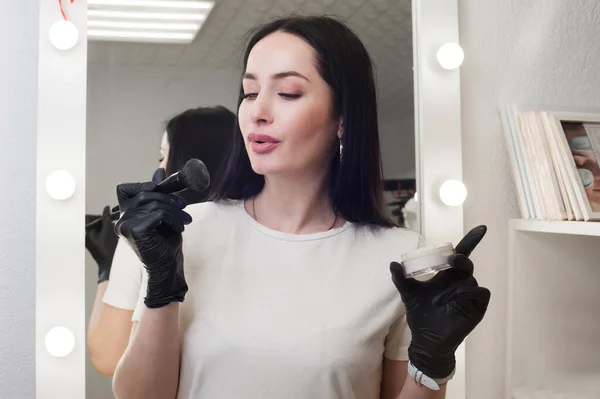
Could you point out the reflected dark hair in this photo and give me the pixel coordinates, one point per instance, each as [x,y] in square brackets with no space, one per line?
[204,133]
[344,63]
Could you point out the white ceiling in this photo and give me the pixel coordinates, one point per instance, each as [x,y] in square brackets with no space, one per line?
[384,26]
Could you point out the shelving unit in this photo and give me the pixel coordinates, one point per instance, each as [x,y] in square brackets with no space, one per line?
[544,226]
[553,336]
[548,394]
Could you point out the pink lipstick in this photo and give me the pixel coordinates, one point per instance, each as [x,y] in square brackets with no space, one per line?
[262,143]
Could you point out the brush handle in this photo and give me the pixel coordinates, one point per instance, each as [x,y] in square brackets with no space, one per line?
[113,216]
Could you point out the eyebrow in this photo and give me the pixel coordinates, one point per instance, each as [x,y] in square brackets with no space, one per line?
[279,75]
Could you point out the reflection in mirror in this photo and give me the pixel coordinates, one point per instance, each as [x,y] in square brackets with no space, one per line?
[162,86]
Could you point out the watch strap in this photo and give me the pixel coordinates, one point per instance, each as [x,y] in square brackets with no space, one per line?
[422,379]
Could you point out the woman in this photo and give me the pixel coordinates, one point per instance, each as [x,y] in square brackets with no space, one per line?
[203,133]
[290,294]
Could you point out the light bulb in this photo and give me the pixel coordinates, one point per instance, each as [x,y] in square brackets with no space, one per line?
[63,34]
[453,192]
[450,56]
[60,341]
[60,185]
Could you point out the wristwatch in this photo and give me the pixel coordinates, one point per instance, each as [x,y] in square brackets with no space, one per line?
[421,379]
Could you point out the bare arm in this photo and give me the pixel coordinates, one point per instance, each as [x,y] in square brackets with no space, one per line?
[108,333]
[397,384]
[149,369]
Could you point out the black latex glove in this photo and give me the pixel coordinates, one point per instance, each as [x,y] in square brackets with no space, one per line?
[442,311]
[101,242]
[159,175]
[152,224]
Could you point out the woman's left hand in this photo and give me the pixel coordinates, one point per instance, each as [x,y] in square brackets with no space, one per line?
[442,311]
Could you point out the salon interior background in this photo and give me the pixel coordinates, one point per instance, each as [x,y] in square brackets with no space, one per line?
[504,58]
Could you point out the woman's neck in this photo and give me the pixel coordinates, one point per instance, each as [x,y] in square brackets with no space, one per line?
[294,206]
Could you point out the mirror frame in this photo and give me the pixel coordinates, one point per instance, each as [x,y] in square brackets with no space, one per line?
[60,254]
[438,141]
[60,246]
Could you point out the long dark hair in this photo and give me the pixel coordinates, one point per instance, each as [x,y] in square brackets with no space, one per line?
[344,63]
[204,133]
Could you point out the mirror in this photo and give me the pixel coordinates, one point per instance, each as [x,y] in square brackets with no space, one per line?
[135,85]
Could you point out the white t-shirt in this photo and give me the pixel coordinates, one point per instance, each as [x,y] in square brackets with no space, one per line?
[276,315]
[125,280]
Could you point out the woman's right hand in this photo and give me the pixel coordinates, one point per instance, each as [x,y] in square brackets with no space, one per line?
[152,224]
[101,242]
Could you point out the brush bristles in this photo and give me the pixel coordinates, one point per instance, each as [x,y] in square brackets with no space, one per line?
[194,175]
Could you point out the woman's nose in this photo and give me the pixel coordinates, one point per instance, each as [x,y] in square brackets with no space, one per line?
[261,112]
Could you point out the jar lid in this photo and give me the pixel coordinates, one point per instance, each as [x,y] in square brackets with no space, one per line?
[426,258]
[427,250]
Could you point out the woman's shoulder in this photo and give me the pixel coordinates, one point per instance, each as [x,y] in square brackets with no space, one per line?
[400,233]
[383,233]
[393,240]
[212,209]
[212,215]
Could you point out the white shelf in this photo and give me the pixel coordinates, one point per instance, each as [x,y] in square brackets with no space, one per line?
[556,227]
[529,393]
[553,335]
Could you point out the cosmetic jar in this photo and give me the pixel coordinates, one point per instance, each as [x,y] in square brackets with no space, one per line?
[424,262]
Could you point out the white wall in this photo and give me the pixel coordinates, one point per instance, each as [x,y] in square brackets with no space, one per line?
[19,27]
[397,140]
[534,51]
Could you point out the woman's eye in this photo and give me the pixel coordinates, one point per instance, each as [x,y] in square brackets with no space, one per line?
[250,95]
[290,96]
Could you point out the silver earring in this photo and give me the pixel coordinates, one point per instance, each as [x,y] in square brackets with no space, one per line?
[341,149]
